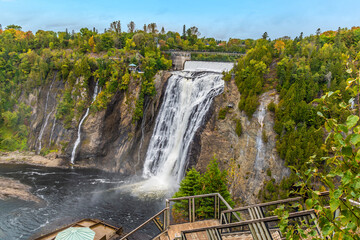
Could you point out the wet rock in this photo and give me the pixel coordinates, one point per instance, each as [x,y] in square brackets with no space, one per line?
[246,158]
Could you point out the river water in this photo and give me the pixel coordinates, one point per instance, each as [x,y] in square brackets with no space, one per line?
[70,195]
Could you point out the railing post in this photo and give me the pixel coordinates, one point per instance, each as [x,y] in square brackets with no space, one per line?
[165,223]
[193,209]
[190,215]
[218,205]
[215,204]
[167,214]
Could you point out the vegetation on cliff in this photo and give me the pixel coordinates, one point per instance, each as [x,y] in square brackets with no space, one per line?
[301,70]
[29,63]
[340,176]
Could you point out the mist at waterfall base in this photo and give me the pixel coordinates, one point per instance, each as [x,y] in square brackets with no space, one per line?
[69,195]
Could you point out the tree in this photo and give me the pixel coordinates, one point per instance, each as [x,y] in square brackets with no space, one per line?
[184,32]
[341,175]
[190,185]
[193,31]
[145,28]
[215,180]
[162,31]
[13,26]
[265,36]
[92,43]
[279,45]
[116,27]
[212,181]
[318,32]
[152,28]
[131,27]
[301,36]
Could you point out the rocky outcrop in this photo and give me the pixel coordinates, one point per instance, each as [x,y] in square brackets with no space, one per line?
[246,158]
[111,141]
[109,138]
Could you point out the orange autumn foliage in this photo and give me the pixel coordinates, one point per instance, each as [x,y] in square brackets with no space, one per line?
[92,43]
[279,45]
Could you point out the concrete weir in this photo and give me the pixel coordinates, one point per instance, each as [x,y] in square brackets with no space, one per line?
[179,59]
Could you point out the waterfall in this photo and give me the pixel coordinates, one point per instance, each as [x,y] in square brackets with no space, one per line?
[260,150]
[77,142]
[187,99]
[43,126]
[52,129]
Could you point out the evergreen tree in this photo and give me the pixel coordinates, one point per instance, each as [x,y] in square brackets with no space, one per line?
[184,32]
[212,181]
[190,185]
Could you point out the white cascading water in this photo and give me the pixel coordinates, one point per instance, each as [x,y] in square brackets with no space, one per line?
[77,142]
[43,126]
[260,150]
[187,99]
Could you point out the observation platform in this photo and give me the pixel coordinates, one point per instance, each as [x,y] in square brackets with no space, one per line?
[184,218]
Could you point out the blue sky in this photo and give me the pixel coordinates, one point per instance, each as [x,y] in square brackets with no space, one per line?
[221,19]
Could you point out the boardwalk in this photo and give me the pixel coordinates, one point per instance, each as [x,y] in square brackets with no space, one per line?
[175,230]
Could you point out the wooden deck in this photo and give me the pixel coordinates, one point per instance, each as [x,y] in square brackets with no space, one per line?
[175,230]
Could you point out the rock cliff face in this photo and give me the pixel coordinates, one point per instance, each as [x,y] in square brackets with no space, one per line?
[248,157]
[110,141]
[109,138]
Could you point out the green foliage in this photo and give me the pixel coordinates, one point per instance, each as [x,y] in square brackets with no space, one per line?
[212,181]
[238,127]
[264,136]
[223,112]
[65,109]
[250,71]
[13,26]
[272,107]
[340,177]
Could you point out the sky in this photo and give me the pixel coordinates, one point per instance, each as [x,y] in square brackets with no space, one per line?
[221,19]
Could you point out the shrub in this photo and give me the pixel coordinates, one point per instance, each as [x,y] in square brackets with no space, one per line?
[223,112]
[272,107]
[238,127]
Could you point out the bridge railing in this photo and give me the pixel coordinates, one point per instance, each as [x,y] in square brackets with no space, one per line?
[256,211]
[156,225]
[181,210]
[263,228]
[196,208]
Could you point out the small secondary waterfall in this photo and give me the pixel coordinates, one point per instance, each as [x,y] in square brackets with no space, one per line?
[187,99]
[43,126]
[260,151]
[77,142]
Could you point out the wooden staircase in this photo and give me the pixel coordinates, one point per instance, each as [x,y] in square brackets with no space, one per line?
[253,222]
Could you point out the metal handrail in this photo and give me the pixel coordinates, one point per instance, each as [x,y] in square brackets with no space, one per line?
[264,204]
[248,222]
[201,196]
[166,211]
[146,222]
